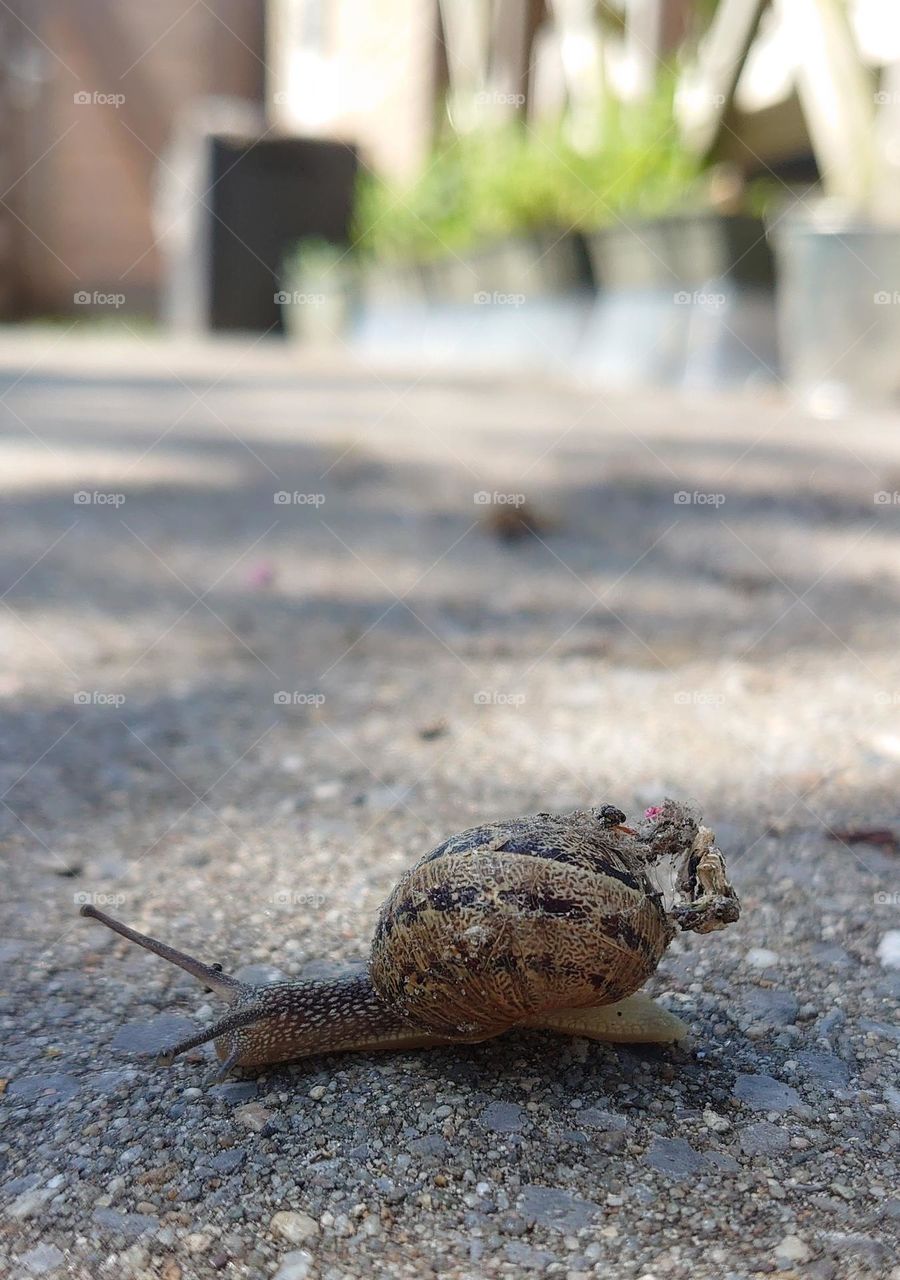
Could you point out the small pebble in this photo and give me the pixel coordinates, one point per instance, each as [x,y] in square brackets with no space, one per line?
[39,1260]
[765,1093]
[793,1249]
[762,1138]
[294,1265]
[889,949]
[29,1204]
[293,1226]
[675,1157]
[502,1117]
[229,1160]
[125,1224]
[556,1208]
[824,1070]
[253,1116]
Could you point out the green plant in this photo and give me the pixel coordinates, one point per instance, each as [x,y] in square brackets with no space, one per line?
[314,258]
[507,181]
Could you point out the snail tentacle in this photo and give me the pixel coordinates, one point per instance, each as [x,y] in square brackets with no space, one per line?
[222,983]
[225,1026]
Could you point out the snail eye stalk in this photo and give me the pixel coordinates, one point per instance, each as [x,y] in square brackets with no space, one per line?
[610,816]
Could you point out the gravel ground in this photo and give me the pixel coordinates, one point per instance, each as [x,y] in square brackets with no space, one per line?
[739,648]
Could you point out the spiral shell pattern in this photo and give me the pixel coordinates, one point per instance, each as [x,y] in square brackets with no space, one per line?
[502,922]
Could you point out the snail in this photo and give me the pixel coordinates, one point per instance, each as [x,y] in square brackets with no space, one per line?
[552,922]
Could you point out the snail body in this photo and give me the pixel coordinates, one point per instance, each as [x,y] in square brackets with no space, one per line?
[552,921]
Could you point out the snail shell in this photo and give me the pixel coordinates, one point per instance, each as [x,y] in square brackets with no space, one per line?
[504,922]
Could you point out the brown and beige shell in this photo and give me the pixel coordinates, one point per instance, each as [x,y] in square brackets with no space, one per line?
[504,922]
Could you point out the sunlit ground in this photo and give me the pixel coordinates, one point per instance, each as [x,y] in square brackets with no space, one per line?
[212,697]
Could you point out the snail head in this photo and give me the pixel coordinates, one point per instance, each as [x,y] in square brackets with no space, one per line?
[703,898]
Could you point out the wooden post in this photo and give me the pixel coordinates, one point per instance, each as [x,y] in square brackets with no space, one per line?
[706,90]
[508,58]
[675,23]
[643,32]
[886,185]
[580,40]
[836,94]
[466,34]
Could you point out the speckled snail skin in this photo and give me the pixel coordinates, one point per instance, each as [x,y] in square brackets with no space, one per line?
[552,921]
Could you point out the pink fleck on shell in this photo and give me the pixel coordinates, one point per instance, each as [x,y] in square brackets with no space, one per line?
[654,811]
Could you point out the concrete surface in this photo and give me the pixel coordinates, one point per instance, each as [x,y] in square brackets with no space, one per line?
[738,648]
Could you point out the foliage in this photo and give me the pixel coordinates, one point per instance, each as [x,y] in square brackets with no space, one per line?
[505,181]
[314,259]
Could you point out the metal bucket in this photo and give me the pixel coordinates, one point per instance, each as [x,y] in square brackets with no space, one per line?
[839,312]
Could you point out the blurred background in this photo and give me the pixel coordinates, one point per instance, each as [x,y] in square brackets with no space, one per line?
[665,183]
[414,414]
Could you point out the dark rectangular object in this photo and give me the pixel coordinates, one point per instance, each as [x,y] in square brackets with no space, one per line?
[262,195]
[267,195]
